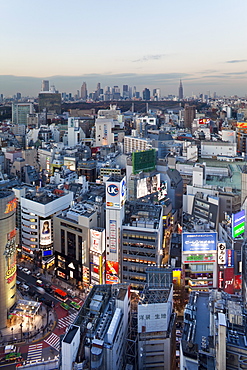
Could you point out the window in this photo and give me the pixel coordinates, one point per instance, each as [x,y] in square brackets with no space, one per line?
[71,243]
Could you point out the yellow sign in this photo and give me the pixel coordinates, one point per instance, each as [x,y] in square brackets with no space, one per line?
[11,206]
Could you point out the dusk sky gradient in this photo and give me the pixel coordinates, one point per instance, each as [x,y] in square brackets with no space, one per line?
[141,43]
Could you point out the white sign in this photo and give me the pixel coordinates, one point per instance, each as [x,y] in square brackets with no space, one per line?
[221,253]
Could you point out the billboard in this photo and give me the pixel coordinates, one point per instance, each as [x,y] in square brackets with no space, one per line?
[113,236]
[97,240]
[199,242]
[241,124]
[203,121]
[70,163]
[221,253]
[115,194]
[45,232]
[148,185]
[228,283]
[112,270]
[144,160]
[162,191]
[229,258]
[238,221]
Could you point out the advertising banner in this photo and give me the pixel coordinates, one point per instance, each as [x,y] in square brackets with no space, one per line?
[238,221]
[148,185]
[221,253]
[113,236]
[199,242]
[229,258]
[228,284]
[112,270]
[97,240]
[45,232]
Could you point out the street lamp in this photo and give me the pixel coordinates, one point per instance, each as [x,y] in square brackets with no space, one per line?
[12,329]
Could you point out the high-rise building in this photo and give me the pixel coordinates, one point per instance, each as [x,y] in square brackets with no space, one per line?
[50,102]
[180,91]
[189,115]
[20,112]
[45,85]
[7,254]
[146,94]
[84,91]
[125,92]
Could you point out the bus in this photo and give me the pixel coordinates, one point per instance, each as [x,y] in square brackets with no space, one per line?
[61,295]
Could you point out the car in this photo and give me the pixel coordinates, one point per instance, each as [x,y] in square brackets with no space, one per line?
[37,274]
[25,287]
[26,271]
[39,283]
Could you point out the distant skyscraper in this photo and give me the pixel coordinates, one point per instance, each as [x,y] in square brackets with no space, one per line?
[146,94]
[125,91]
[84,91]
[45,85]
[156,94]
[180,91]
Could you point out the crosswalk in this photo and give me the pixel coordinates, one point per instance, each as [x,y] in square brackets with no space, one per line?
[35,352]
[54,341]
[65,321]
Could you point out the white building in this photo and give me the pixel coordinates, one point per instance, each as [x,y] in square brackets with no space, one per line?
[37,211]
[217,149]
[75,132]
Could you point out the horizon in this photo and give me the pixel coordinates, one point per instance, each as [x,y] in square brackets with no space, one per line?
[136,43]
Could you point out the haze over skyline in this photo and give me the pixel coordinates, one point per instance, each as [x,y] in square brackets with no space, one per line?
[137,43]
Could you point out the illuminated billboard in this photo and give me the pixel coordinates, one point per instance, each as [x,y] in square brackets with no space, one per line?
[199,242]
[148,185]
[238,221]
[203,121]
[112,270]
[45,232]
[113,236]
[144,160]
[115,194]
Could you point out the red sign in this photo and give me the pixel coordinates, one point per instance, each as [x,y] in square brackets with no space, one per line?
[112,270]
[203,121]
[228,283]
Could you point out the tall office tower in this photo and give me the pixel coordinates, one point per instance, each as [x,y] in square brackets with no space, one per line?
[180,91]
[98,91]
[50,102]
[45,85]
[116,93]
[20,112]
[84,91]
[18,96]
[146,94]
[7,254]
[134,91]
[189,115]
[125,91]
[156,94]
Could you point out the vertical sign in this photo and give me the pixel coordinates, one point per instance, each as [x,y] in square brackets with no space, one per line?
[113,236]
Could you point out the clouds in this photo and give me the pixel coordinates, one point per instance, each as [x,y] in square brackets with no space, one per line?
[236,61]
[147,58]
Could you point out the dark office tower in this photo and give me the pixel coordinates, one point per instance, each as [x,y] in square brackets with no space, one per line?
[180,91]
[84,91]
[189,115]
[50,102]
[125,91]
[45,85]
[146,94]
[116,93]
[18,96]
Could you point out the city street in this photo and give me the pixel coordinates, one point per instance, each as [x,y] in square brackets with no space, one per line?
[43,341]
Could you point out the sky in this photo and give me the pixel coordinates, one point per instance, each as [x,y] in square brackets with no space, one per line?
[141,43]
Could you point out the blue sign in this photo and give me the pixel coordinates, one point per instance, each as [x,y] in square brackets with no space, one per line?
[47,253]
[199,242]
[112,190]
[123,190]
